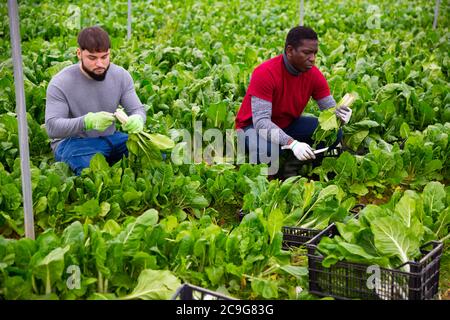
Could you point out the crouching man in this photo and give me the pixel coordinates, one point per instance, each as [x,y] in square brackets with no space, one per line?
[81,101]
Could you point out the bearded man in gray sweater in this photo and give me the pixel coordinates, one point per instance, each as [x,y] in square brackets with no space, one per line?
[81,101]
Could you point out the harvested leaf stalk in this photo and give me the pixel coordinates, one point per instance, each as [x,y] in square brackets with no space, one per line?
[347,100]
[121,116]
[147,143]
[328,127]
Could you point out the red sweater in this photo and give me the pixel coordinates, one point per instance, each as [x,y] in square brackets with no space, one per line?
[289,94]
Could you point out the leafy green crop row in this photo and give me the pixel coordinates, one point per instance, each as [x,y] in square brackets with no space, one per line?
[392,235]
[135,226]
[247,260]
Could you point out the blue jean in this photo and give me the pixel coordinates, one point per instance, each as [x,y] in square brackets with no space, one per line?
[77,152]
[300,129]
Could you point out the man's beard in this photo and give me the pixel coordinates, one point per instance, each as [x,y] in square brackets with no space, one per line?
[97,77]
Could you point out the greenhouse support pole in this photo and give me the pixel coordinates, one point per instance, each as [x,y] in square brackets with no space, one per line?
[436,13]
[13,13]
[301,12]
[129,21]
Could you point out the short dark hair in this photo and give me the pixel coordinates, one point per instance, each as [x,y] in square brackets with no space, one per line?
[94,39]
[297,34]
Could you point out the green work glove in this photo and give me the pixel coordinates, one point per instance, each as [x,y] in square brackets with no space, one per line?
[98,120]
[135,124]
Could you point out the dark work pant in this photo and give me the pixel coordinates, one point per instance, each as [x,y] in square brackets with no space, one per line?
[300,129]
[78,152]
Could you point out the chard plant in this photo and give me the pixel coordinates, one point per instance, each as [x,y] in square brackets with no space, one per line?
[302,203]
[144,144]
[392,234]
[327,130]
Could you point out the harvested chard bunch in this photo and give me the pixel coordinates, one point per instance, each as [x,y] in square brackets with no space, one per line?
[144,143]
[329,124]
[347,100]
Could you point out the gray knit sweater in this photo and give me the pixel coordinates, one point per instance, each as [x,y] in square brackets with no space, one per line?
[71,95]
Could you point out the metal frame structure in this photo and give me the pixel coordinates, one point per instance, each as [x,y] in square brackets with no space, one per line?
[21,110]
[301,12]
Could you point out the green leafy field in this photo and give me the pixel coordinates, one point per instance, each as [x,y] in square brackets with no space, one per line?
[136,225]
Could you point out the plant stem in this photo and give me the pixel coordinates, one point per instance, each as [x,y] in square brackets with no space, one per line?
[106,285]
[33,284]
[48,287]
[100,282]
[445,238]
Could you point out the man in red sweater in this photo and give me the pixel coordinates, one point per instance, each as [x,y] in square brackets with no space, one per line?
[279,91]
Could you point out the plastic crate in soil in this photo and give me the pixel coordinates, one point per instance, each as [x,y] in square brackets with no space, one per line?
[296,236]
[345,280]
[191,292]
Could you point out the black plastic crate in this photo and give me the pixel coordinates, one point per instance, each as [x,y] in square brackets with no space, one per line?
[296,237]
[345,280]
[191,292]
